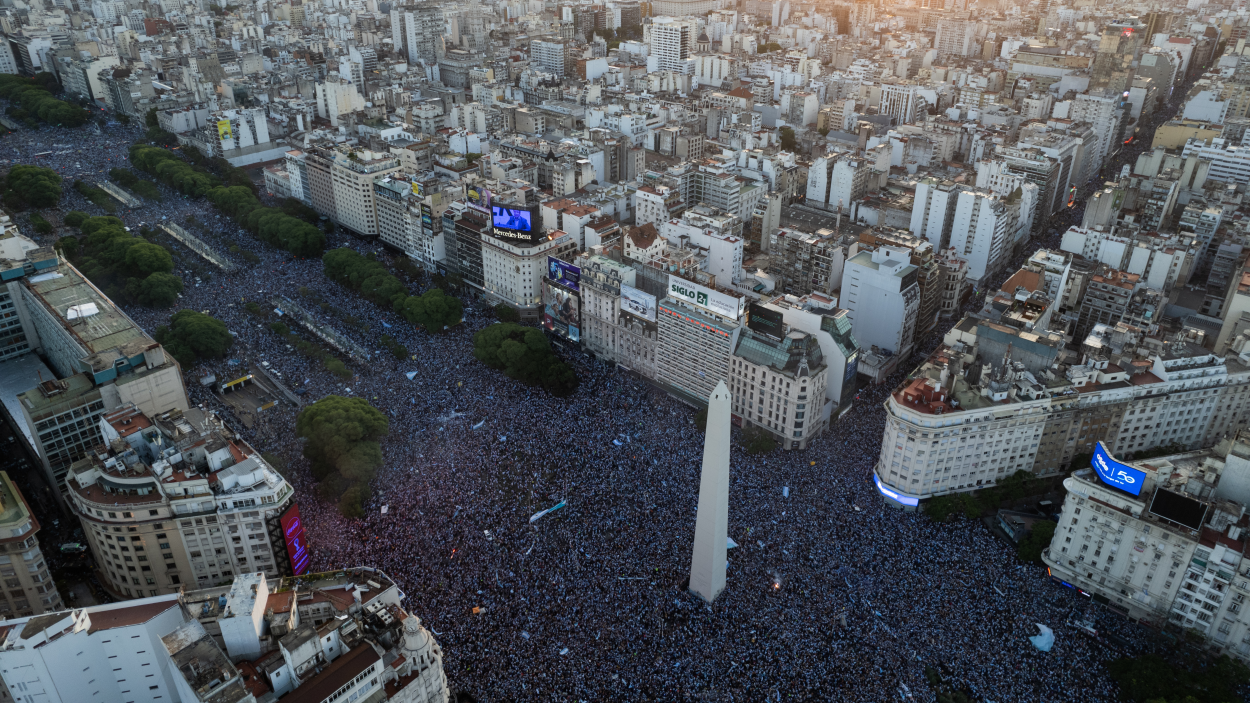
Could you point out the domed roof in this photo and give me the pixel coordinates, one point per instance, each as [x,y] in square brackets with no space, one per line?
[703,38]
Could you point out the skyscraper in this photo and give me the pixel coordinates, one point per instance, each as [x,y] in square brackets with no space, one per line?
[671,41]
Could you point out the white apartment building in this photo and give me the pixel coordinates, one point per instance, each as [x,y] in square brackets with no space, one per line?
[512,271]
[882,296]
[982,229]
[956,38]
[779,385]
[1173,554]
[1162,261]
[1105,114]
[945,433]
[933,211]
[176,501]
[672,43]
[1229,163]
[838,181]
[352,174]
[304,641]
[902,102]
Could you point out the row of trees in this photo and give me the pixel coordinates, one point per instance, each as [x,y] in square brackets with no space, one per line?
[141,187]
[1195,678]
[31,186]
[124,265]
[171,170]
[191,336]
[342,445]
[987,500]
[432,310]
[272,225]
[524,354]
[35,99]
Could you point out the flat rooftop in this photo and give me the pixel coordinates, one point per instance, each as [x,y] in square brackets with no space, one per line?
[93,319]
[18,376]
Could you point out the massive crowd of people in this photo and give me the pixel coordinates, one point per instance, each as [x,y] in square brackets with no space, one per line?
[831,595]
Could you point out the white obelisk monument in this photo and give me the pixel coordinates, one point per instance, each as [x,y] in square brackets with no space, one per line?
[711,527]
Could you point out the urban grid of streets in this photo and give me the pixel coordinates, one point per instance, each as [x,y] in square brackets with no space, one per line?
[589,602]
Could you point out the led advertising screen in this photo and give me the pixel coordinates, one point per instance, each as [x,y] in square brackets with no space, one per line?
[1116,474]
[902,499]
[296,543]
[566,275]
[562,311]
[636,302]
[515,220]
[765,321]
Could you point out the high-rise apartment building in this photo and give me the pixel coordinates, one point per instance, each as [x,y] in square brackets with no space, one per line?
[933,210]
[982,229]
[698,327]
[956,37]
[28,585]
[178,500]
[902,102]
[552,57]
[928,272]
[417,31]
[777,382]
[672,44]
[882,297]
[98,358]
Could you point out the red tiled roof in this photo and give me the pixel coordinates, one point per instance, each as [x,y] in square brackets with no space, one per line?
[132,615]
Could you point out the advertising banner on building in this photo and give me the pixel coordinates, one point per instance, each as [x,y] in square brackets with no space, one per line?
[1117,474]
[706,298]
[416,189]
[223,129]
[635,302]
[296,543]
[766,321]
[566,275]
[562,311]
[478,197]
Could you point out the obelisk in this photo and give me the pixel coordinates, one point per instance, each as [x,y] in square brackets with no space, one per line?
[711,527]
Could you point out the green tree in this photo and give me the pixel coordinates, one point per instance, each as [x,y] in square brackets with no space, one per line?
[523,353]
[31,186]
[1151,677]
[159,290]
[432,310]
[1031,547]
[41,225]
[74,218]
[506,313]
[68,245]
[788,141]
[757,440]
[145,258]
[192,336]
[342,446]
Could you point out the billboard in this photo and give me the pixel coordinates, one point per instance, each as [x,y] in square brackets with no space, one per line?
[223,129]
[566,275]
[1117,474]
[513,219]
[296,543]
[635,302]
[766,321]
[705,298]
[562,311]
[416,189]
[478,197]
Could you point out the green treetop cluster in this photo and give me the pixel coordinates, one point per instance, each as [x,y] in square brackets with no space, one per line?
[31,186]
[31,97]
[432,310]
[342,444]
[192,336]
[523,353]
[238,201]
[125,265]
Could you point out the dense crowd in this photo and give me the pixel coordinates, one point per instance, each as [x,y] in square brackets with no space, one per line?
[589,602]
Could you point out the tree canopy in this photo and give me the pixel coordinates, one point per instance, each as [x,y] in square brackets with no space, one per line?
[31,98]
[788,140]
[1151,678]
[272,225]
[1031,547]
[342,445]
[347,267]
[124,265]
[31,186]
[171,170]
[524,354]
[432,310]
[192,336]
